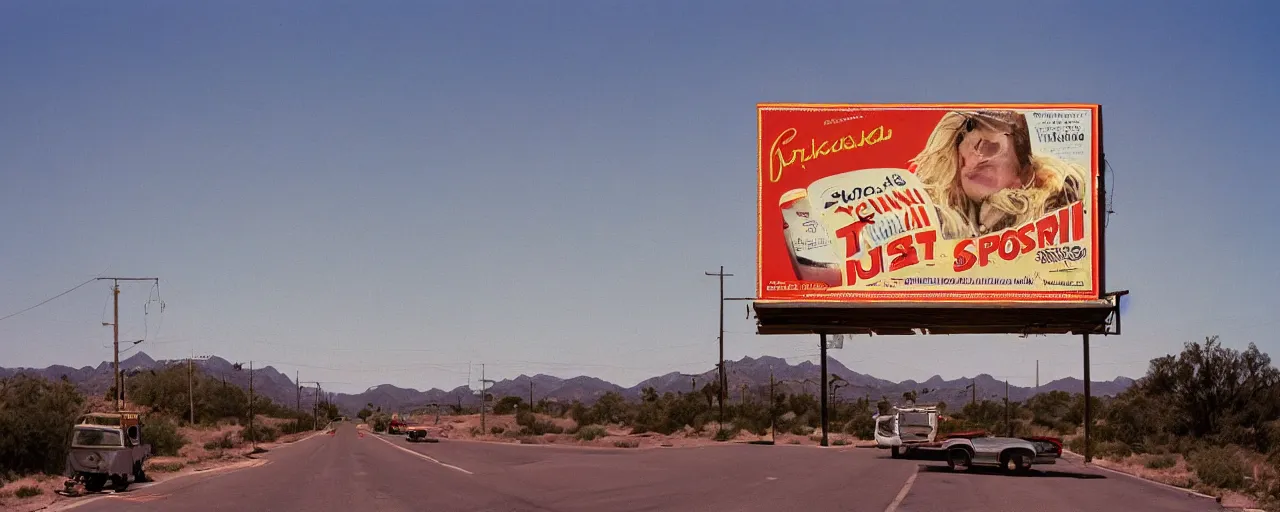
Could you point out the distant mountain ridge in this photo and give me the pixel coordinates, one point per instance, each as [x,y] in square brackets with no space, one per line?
[754,373]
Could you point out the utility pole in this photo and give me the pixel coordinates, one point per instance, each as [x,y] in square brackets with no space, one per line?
[1037,375]
[191,387]
[530,394]
[974,400]
[115,328]
[773,423]
[253,437]
[298,384]
[723,379]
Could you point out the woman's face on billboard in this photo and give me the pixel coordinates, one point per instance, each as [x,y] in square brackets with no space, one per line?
[988,163]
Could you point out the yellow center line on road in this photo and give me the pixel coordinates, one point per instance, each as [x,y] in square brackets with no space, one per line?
[411,452]
[902,495]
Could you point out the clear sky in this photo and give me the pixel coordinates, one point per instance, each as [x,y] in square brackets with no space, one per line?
[387,191]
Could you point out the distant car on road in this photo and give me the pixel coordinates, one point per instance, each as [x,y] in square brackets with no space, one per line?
[1013,454]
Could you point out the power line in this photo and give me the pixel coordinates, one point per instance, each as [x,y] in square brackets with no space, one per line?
[50,299]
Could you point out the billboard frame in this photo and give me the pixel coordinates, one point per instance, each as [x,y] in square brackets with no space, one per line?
[1006,298]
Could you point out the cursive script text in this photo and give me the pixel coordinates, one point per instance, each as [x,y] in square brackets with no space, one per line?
[783,154]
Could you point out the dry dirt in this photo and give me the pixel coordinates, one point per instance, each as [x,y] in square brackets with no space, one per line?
[503,429]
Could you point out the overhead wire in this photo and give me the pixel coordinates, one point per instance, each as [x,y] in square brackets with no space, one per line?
[48,300]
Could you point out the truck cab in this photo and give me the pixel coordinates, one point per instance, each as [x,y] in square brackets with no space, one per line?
[906,428]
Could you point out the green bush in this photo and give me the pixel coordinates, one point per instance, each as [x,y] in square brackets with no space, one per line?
[28,491]
[626,443]
[1220,467]
[533,426]
[591,433]
[162,434]
[1161,462]
[36,416]
[496,429]
[724,435]
[508,405]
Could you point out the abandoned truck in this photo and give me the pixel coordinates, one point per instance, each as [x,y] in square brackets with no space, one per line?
[107,446]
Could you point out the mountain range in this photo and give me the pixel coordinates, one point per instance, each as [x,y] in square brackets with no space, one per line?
[745,376]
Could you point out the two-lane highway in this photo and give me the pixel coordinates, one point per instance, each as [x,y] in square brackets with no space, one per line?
[368,472]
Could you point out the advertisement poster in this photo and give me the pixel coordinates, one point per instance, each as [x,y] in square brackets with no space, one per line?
[925,203]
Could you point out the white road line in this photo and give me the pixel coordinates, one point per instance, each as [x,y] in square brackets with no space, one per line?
[902,495]
[411,452]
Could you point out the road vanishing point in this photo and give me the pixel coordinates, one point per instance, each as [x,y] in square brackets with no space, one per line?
[358,470]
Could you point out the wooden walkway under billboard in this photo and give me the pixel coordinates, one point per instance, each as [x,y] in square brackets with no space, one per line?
[906,318]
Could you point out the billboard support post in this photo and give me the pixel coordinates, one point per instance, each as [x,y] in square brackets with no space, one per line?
[1088,409]
[822,346]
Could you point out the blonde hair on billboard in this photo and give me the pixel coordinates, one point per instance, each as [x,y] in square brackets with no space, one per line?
[1050,182]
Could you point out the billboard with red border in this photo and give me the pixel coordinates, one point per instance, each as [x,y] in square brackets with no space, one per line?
[904,203]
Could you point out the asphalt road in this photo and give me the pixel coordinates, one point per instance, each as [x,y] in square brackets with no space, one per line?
[348,471]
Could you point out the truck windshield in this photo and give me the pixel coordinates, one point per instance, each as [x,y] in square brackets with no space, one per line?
[915,419]
[95,437]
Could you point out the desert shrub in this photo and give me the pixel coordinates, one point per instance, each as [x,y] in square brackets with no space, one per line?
[801,429]
[294,427]
[626,443]
[724,434]
[165,467]
[1161,462]
[508,405]
[260,433]
[1220,467]
[1076,445]
[496,429]
[591,433]
[28,491]
[476,432]
[223,442]
[840,442]
[36,416]
[162,434]
[1113,450]
[530,424]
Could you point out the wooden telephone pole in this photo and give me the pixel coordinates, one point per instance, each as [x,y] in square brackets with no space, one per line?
[724,383]
[115,327]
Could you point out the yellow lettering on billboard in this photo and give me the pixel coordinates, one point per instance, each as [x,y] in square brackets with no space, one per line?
[780,159]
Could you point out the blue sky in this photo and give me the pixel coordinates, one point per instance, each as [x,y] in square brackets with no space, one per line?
[389,191]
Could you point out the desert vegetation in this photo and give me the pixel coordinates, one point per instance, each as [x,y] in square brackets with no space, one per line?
[36,416]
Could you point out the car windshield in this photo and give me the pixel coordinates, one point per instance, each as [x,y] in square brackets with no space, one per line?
[95,437]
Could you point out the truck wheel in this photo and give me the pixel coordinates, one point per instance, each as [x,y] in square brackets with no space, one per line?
[895,452]
[139,475]
[959,459]
[94,483]
[120,482]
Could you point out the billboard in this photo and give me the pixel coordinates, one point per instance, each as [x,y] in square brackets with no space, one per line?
[928,203]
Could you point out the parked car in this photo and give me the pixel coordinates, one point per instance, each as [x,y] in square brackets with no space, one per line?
[906,429]
[1013,454]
